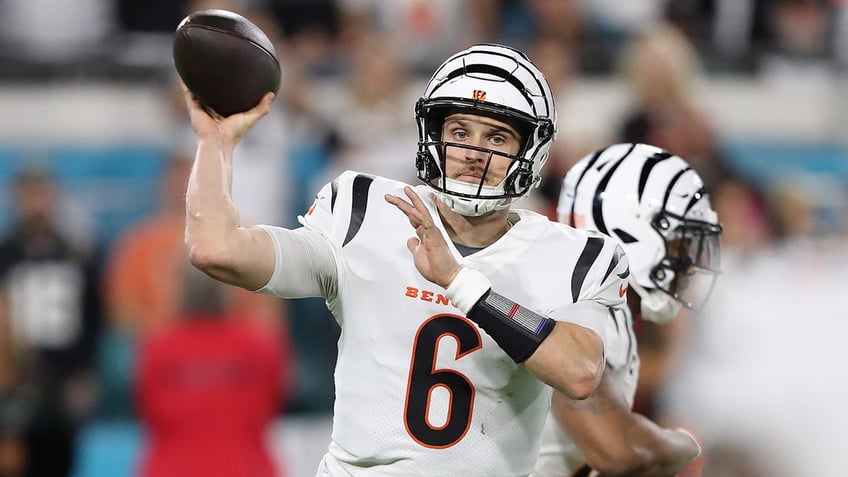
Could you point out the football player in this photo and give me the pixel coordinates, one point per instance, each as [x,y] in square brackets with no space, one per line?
[456,311]
[653,203]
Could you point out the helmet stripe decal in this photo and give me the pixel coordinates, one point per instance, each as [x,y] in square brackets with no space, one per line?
[597,213]
[580,179]
[584,263]
[647,167]
[494,71]
[361,185]
[334,186]
[671,185]
[698,195]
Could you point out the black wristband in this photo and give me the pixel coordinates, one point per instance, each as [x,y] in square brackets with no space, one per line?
[517,330]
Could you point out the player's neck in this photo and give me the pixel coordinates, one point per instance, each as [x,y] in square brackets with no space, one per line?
[475,232]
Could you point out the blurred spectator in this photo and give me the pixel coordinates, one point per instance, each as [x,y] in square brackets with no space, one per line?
[578,133]
[808,207]
[163,16]
[622,19]
[50,316]
[747,228]
[376,99]
[55,32]
[150,16]
[663,71]
[209,387]
[564,21]
[310,28]
[143,272]
[426,31]
[729,34]
[141,287]
[840,33]
[800,39]
[16,408]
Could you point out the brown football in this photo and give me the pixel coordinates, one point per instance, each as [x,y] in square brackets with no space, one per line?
[226,61]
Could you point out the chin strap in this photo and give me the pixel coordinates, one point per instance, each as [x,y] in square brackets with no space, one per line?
[472,207]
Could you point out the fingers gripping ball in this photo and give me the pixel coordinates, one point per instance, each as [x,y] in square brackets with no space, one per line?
[226,61]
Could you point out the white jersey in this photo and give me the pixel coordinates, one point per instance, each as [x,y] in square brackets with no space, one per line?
[420,389]
[559,456]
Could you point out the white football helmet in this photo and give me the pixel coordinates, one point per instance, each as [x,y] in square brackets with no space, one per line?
[492,80]
[654,203]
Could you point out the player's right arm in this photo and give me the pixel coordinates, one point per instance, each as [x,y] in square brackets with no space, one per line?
[616,441]
[216,243]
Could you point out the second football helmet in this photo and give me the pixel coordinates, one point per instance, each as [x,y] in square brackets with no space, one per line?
[493,80]
[654,203]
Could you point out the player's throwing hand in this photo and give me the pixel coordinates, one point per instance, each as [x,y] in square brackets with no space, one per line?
[207,123]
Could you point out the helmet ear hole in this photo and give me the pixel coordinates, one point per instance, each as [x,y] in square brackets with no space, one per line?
[524,179]
[425,170]
[661,222]
[546,130]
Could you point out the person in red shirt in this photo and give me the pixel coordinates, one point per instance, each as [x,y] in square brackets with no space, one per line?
[208,387]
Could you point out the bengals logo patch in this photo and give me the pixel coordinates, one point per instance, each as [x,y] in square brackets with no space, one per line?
[479,95]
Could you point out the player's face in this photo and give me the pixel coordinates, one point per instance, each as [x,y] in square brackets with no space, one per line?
[482,132]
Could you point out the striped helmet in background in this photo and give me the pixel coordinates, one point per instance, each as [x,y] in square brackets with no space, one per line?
[655,205]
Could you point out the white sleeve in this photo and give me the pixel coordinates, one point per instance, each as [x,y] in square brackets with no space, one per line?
[305,264]
[588,314]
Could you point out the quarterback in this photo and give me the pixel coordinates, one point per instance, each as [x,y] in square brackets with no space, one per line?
[458,314]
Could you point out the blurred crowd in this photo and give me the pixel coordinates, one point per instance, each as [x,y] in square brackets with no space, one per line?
[78,319]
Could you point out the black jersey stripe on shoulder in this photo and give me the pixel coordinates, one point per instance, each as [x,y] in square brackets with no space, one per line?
[334,189]
[631,337]
[616,258]
[584,263]
[359,202]
[613,318]
[597,214]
